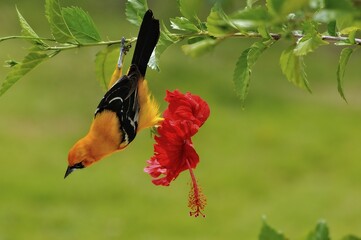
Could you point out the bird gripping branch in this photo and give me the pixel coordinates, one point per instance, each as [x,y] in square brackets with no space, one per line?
[125,109]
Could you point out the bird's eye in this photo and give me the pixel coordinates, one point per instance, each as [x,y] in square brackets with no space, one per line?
[78,165]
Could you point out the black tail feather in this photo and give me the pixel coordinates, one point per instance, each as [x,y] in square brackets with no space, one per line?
[147,40]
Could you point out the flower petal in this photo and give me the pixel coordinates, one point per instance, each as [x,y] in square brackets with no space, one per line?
[174,151]
[186,107]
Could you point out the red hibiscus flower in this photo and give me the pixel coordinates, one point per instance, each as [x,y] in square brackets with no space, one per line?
[174,151]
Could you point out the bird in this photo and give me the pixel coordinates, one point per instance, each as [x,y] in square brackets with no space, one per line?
[126,108]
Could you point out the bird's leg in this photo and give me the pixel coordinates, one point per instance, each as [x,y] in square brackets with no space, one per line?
[124,48]
[123,51]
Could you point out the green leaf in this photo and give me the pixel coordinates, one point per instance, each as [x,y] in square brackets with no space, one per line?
[310,41]
[320,233]
[242,72]
[218,23]
[344,57]
[80,25]
[27,31]
[331,28]
[135,10]
[105,61]
[200,47]
[268,233]
[250,19]
[19,70]
[58,26]
[189,8]
[183,24]
[165,40]
[263,31]
[292,67]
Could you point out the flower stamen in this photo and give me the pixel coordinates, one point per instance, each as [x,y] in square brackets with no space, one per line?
[196,199]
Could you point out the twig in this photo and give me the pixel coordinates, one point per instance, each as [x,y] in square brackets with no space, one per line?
[277,36]
[66,46]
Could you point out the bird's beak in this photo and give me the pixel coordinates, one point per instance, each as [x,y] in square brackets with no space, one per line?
[71,169]
[68,171]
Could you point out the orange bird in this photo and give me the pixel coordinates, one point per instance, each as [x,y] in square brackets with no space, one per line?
[125,109]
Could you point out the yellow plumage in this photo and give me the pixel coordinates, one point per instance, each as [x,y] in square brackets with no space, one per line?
[126,108]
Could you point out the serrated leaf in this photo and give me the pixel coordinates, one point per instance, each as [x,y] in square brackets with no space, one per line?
[217,22]
[320,233]
[19,70]
[241,75]
[183,24]
[135,10]
[200,47]
[292,67]
[80,25]
[242,72]
[189,8]
[27,31]
[268,233]
[344,57]
[58,26]
[250,19]
[165,40]
[351,237]
[105,61]
[308,44]
[310,41]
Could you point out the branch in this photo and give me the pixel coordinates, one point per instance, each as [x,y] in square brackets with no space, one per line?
[26,38]
[277,36]
[67,46]
[78,45]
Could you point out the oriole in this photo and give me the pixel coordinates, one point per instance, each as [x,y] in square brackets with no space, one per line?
[125,109]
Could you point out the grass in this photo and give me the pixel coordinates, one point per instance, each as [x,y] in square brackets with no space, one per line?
[289,155]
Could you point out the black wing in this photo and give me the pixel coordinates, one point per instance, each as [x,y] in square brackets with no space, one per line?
[122,99]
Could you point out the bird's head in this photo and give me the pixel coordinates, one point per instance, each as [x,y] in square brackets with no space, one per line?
[79,157]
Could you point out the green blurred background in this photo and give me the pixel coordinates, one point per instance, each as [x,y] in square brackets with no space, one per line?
[289,155]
